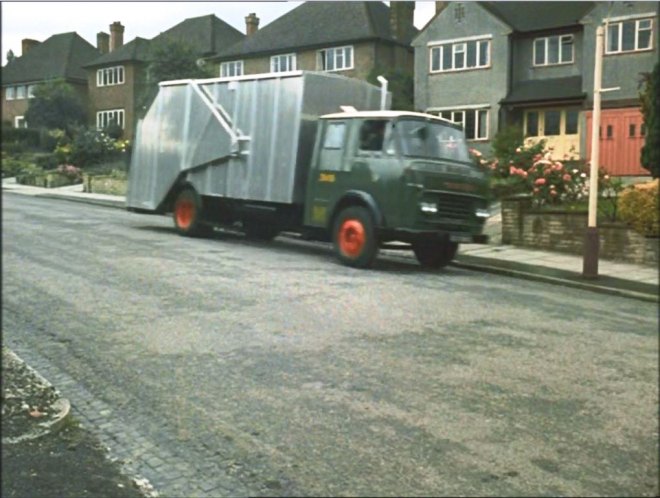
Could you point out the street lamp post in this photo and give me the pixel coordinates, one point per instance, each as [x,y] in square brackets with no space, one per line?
[591,240]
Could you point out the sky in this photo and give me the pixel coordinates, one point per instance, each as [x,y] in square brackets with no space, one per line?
[40,20]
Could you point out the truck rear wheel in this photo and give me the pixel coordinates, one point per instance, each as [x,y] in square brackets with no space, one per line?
[434,254]
[354,237]
[187,214]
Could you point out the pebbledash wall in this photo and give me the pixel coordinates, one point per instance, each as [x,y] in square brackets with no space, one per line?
[564,232]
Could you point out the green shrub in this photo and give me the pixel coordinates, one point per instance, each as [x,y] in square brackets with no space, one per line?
[27,137]
[15,166]
[46,160]
[638,206]
[88,148]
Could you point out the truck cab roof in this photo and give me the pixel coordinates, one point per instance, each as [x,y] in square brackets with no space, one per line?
[354,114]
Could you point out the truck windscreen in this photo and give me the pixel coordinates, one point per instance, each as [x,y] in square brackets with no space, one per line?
[431,140]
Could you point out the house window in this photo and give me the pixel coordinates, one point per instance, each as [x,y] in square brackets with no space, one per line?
[473,121]
[19,122]
[336,59]
[10,93]
[106,118]
[230,69]
[30,91]
[629,36]
[20,92]
[553,50]
[110,76]
[550,123]
[459,55]
[283,63]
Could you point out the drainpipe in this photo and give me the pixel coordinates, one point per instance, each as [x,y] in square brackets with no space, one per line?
[383,92]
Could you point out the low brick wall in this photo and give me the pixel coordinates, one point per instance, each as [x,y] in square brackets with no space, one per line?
[562,231]
[46,180]
[104,184]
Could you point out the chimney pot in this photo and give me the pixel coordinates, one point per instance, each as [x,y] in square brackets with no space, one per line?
[440,6]
[27,44]
[251,24]
[103,42]
[402,17]
[116,36]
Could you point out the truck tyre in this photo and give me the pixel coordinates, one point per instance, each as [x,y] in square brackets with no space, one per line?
[354,237]
[187,214]
[434,254]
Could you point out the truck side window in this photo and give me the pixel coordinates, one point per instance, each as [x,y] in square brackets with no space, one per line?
[334,136]
[372,134]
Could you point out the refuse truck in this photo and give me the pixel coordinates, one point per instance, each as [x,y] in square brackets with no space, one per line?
[314,154]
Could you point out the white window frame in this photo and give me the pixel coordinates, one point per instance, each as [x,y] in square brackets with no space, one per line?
[21,92]
[110,76]
[458,115]
[338,56]
[103,118]
[10,93]
[231,68]
[460,46]
[619,22]
[283,63]
[19,122]
[546,42]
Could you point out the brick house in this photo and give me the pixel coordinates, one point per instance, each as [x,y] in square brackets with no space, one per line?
[116,78]
[61,56]
[351,38]
[491,64]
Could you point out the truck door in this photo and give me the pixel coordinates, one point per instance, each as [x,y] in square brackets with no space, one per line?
[329,166]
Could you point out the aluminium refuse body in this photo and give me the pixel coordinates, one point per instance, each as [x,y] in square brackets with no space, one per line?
[247,138]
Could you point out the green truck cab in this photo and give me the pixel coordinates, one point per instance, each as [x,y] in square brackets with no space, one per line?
[383,176]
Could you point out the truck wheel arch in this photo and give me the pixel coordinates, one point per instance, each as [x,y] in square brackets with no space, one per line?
[357,198]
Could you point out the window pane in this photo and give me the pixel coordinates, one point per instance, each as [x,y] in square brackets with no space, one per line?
[483,125]
[644,34]
[446,115]
[552,121]
[539,52]
[472,54]
[566,49]
[334,136]
[628,42]
[435,59]
[532,127]
[446,57]
[457,117]
[571,122]
[11,93]
[459,56]
[483,53]
[613,38]
[349,56]
[470,125]
[329,60]
[553,50]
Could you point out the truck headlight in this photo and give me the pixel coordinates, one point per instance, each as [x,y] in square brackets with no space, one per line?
[482,213]
[428,207]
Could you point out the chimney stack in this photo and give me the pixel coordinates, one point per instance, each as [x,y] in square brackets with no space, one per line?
[28,44]
[402,16]
[440,6]
[251,24]
[116,36]
[103,42]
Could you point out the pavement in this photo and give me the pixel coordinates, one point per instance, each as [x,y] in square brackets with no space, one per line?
[614,277]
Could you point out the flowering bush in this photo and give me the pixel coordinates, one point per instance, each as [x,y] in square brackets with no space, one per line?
[70,171]
[639,206]
[532,170]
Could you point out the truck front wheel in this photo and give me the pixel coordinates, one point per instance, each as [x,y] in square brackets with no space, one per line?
[434,254]
[354,237]
[187,214]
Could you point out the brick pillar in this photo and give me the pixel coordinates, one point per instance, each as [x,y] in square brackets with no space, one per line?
[251,24]
[116,36]
[513,213]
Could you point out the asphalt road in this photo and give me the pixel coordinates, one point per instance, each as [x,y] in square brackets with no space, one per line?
[226,367]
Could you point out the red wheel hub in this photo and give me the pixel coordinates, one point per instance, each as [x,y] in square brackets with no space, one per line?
[185,213]
[351,238]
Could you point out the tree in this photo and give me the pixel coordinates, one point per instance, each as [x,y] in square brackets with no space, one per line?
[650,100]
[10,56]
[169,60]
[55,105]
[400,83]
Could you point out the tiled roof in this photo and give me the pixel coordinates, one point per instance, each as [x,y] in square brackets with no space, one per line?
[533,16]
[208,34]
[315,24]
[60,56]
[135,50]
[569,88]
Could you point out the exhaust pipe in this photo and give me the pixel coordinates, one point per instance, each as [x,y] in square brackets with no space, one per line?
[383,92]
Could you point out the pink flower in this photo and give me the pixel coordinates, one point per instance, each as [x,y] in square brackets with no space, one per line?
[566,177]
[540,181]
[553,193]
